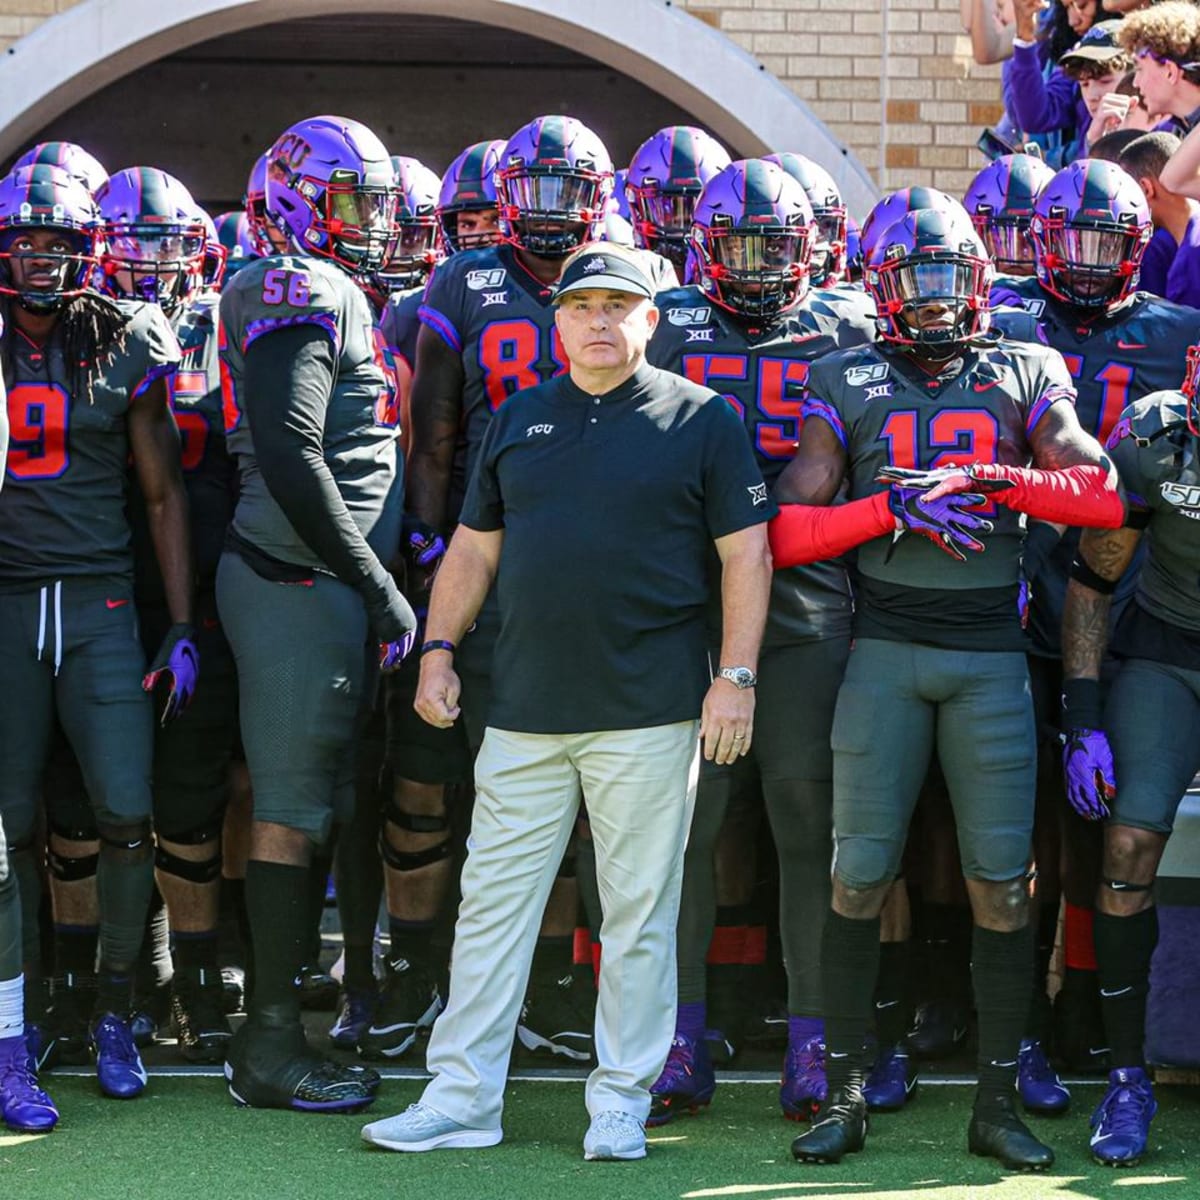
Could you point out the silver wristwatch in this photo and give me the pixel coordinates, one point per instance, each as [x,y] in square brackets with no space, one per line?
[740,677]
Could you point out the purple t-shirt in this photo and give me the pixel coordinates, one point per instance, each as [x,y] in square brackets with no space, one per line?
[1183,279]
[1156,262]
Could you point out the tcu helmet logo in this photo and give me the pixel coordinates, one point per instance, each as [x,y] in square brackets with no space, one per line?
[1183,496]
[868,373]
[689,316]
[486,279]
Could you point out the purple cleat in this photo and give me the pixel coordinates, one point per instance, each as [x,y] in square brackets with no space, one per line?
[686,1084]
[24,1107]
[1038,1084]
[1121,1125]
[891,1080]
[803,1087]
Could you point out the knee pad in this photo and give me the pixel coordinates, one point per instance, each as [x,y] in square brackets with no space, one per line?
[67,868]
[414,860]
[1123,885]
[203,870]
[132,839]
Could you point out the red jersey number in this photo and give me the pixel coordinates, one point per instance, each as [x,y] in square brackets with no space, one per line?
[38,416]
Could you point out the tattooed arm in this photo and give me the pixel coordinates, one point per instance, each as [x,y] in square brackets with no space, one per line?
[436,415]
[1101,560]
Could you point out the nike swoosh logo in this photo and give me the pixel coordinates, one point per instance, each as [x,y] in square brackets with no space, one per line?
[983,387]
[376,1029]
[886,1004]
[1124,345]
[1119,992]
[116,603]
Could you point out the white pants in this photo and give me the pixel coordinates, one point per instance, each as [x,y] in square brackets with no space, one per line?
[640,786]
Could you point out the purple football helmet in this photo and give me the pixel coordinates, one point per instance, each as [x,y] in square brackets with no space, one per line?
[753,233]
[469,186]
[1000,201]
[1089,231]
[417,249]
[666,175]
[331,192]
[930,276]
[154,243]
[42,198]
[215,254]
[264,237]
[829,253]
[854,262]
[894,205]
[553,185]
[233,232]
[73,159]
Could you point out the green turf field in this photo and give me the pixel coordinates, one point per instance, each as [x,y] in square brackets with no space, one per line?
[184,1139]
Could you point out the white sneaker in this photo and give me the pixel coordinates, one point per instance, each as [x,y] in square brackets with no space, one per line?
[420,1127]
[614,1135]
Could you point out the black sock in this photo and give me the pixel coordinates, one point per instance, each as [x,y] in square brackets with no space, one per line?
[891,994]
[1124,947]
[75,949]
[196,951]
[359,975]
[277,901]
[318,879]
[1038,1022]
[849,967]
[1000,970]
[114,993]
[124,885]
[553,959]
[946,930]
[410,940]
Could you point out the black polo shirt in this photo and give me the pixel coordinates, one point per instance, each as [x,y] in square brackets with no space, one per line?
[609,506]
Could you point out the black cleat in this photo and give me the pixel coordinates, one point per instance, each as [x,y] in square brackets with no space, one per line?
[318,989]
[409,1002]
[198,1015]
[997,1132]
[273,1067]
[558,1019]
[939,1028]
[64,1037]
[839,1127]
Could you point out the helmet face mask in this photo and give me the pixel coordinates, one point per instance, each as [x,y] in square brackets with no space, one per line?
[468,191]
[1001,201]
[157,264]
[417,247]
[49,228]
[1007,242]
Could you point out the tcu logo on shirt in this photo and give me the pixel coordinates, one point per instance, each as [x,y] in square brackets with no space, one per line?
[867,374]
[538,429]
[689,316]
[486,280]
[1185,497]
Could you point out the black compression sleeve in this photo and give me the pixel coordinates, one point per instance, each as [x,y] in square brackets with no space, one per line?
[289,380]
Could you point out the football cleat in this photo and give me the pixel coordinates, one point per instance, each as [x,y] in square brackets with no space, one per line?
[939,1028]
[24,1107]
[839,1128]
[891,1080]
[803,1086]
[354,1017]
[318,989]
[1121,1124]
[1038,1084]
[556,1019]
[274,1067]
[686,1084]
[63,1038]
[119,1069]
[408,1003]
[198,1015]
[997,1132]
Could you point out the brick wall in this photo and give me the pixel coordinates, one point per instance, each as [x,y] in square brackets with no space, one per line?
[916,126]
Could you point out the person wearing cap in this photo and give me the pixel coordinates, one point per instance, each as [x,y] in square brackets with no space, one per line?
[1067,99]
[1165,44]
[595,504]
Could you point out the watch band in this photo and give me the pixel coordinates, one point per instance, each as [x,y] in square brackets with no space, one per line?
[437,644]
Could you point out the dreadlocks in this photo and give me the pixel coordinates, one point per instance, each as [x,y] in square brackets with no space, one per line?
[93,329]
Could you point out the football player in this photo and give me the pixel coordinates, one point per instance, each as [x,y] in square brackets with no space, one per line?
[938,652]
[1001,201]
[1089,230]
[665,178]
[88,390]
[303,588]
[1128,762]
[487,331]
[264,236]
[750,329]
[155,246]
[467,207]
[829,253]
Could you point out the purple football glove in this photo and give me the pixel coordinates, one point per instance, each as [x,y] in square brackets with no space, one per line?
[392,654]
[947,522]
[177,662]
[423,545]
[1088,771]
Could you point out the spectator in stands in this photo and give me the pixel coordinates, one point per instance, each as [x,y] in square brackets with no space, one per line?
[990,24]
[1165,43]
[1062,101]
[1171,264]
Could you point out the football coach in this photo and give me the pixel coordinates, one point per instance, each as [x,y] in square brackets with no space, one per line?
[593,508]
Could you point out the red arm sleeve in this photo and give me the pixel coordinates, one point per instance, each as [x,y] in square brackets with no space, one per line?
[805,533]
[1081,495]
